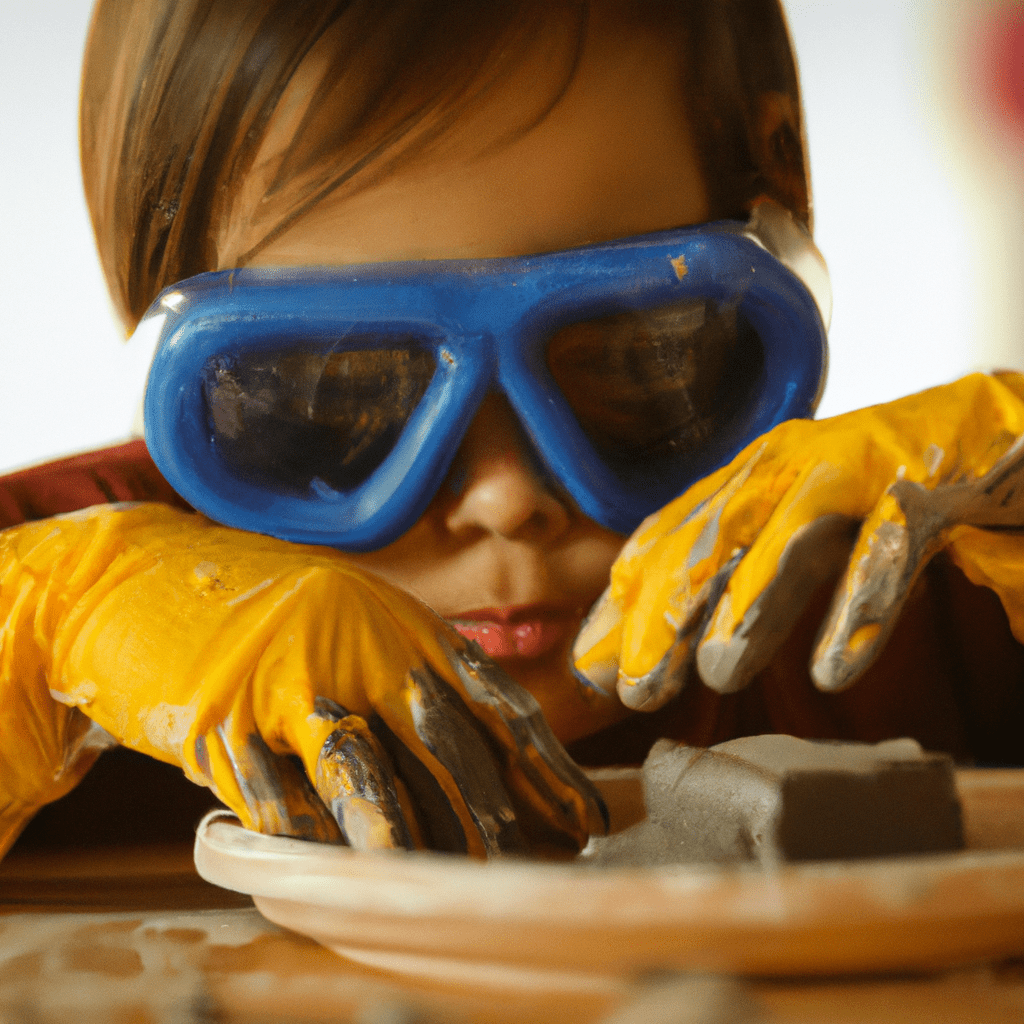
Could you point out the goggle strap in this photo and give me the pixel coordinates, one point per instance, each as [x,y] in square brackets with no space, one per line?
[779,233]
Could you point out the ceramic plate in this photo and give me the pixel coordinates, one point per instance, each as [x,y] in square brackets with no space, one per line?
[567,925]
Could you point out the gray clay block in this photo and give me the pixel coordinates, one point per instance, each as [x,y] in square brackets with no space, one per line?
[778,798]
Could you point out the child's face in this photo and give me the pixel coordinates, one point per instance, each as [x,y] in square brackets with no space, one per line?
[500,551]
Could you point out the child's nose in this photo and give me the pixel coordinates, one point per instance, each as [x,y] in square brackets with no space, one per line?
[498,488]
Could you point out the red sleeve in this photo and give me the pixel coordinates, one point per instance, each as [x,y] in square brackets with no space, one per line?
[124,472]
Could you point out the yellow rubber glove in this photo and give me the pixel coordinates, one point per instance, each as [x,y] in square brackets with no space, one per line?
[260,667]
[718,578]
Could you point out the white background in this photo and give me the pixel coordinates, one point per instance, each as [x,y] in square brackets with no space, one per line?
[918,212]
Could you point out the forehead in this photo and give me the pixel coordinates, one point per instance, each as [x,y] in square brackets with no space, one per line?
[615,156]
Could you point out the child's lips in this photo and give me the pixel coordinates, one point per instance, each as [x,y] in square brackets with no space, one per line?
[524,632]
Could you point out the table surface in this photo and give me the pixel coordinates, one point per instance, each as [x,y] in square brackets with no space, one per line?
[133,934]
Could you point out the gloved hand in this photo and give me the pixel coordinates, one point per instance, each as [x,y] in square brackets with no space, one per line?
[718,578]
[314,699]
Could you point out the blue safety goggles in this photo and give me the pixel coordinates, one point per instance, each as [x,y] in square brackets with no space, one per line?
[326,405]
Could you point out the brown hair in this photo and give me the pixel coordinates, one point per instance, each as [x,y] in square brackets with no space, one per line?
[179,99]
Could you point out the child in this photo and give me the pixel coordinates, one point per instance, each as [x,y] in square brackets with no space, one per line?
[281,136]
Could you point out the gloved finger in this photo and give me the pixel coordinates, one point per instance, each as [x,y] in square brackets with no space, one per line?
[539,772]
[355,779]
[741,641]
[906,529]
[448,731]
[639,633]
[895,543]
[268,791]
[598,646]
[595,651]
[657,687]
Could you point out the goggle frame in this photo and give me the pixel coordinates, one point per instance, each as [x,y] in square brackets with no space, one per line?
[487,323]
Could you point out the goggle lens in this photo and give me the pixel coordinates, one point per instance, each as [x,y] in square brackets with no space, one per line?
[654,385]
[292,416]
